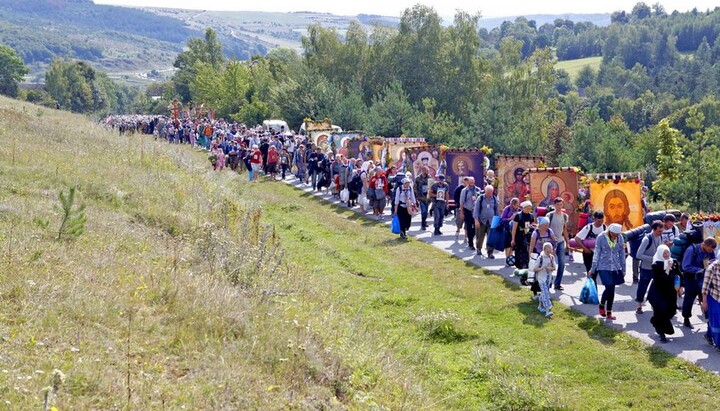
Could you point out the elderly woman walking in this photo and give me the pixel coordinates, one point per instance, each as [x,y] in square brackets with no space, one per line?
[609,263]
[662,295]
[404,200]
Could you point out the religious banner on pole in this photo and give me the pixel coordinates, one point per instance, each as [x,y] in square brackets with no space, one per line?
[619,197]
[397,150]
[547,184]
[464,163]
[510,170]
[424,156]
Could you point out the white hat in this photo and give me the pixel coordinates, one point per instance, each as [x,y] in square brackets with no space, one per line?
[615,228]
[526,204]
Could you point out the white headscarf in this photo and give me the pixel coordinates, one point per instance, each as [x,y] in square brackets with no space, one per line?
[659,257]
[365,166]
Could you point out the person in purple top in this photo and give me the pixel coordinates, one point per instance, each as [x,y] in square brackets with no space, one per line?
[506,217]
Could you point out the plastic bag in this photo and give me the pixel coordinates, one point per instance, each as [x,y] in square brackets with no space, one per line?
[588,294]
[495,223]
[496,238]
[344,194]
[395,225]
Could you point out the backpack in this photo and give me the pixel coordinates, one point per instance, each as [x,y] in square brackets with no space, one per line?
[355,184]
[591,234]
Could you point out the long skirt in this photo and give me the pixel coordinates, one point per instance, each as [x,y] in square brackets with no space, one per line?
[522,256]
[714,319]
[664,305]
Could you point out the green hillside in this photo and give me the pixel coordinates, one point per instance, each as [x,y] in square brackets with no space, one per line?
[573,67]
[193,289]
[114,39]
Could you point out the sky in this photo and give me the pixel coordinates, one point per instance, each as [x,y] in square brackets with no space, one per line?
[496,8]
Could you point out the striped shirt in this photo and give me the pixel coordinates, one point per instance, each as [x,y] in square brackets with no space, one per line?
[711,283]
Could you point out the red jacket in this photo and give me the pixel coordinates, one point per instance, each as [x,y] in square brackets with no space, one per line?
[256,157]
[379,181]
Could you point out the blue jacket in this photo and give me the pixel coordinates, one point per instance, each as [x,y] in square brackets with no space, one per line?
[693,261]
[606,258]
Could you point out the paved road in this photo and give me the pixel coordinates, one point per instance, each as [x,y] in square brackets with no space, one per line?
[686,343]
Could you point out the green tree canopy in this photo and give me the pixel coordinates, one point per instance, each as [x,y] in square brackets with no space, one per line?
[12,71]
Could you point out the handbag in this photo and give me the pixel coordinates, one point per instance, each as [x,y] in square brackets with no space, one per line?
[412,210]
[618,277]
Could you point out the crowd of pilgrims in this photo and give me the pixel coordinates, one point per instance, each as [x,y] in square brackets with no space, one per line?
[540,243]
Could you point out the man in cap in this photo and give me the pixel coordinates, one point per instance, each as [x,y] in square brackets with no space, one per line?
[439,195]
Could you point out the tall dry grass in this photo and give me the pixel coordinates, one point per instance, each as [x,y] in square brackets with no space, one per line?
[171,297]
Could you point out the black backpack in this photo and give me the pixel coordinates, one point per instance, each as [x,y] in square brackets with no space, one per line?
[355,184]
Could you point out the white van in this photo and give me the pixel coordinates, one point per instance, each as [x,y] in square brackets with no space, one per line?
[276,125]
[335,129]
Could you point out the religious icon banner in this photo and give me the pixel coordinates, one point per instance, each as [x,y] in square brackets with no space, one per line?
[464,163]
[546,184]
[510,174]
[425,156]
[621,202]
[400,154]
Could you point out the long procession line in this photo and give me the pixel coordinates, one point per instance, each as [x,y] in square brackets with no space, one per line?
[685,343]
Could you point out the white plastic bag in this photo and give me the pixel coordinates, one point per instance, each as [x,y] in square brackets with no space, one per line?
[344,195]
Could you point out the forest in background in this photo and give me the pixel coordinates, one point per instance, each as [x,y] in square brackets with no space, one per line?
[651,106]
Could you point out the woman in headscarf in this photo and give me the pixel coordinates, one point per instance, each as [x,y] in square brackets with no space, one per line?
[365,178]
[609,263]
[404,199]
[662,295]
[521,234]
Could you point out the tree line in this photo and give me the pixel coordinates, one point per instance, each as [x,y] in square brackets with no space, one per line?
[452,86]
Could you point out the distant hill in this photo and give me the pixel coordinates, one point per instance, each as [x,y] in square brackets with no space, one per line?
[127,41]
[540,19]
[114,39]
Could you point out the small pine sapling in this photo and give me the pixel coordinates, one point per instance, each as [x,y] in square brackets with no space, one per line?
[73,218]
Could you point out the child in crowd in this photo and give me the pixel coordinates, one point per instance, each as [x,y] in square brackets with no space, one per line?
[544,270]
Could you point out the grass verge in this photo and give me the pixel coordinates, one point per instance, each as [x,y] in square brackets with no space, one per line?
[191,288]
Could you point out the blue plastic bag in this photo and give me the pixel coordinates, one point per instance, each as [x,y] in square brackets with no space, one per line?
[395,225]
[496,238]
[588,294]
[495,223]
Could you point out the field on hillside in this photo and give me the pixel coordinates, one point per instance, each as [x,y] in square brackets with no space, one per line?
[573,67]
[194,289]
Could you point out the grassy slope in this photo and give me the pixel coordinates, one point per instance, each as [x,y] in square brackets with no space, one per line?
[573,67]
[358,318]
